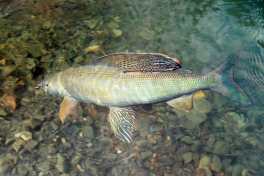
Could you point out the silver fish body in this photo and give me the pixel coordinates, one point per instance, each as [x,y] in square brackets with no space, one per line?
[110,87]
[114,83]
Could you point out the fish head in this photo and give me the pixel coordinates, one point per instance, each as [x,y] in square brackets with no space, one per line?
[51,85]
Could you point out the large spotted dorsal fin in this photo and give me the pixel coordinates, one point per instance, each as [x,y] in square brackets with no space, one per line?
[139,62]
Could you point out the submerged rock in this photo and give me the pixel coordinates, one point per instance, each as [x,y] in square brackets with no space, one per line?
[146,154]
[202,105]
[187,140]
[187,157]
[63,164]
[221,148]
[91,23]
[24,135]
[194,118]
[88,132]
[237,170]
[6,165]
[216,164]
[2,112]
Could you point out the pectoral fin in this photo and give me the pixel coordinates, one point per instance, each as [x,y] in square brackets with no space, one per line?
[184,102]
[122,122]
[66,107]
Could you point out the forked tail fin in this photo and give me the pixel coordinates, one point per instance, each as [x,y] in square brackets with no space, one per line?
[227,86]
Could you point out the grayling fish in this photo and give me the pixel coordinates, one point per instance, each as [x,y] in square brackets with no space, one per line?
[122,80]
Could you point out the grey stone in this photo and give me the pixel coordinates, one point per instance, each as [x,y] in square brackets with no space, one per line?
[196,117]
[5,166]
[88,132]
[111,157]
[221,148]
[32,123]
[165,159]
[76,160]
[30,63]
[196,146]
[253,163]
[146,154]
[245,173]
[216,164]
[54,125]
[207,149]
[60,34]
[44,166]
[73,173]
[202,105]
[91,23]
[180,113]
[237,170]
[210,142]
[34,50]
[22,171]
[16,146]
[31,144]
[51,149]
[67,145]
[187,140]
[24,135]
[63,164]
[217,123]
[47,25]
[142,143]
[144,131]
[172,124]
[2,112]
[187,157]
[112,25]
[47,58]
[152,140]
[115,171]
[87,163]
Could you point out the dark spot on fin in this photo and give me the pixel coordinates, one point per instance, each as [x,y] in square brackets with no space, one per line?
[122,121]
[139,62]
[184,102]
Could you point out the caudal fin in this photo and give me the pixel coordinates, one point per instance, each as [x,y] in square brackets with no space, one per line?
[228,87]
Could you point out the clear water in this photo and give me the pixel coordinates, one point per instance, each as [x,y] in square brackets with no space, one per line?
[199,33]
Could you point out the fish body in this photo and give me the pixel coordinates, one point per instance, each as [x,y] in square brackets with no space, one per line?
[117,82]
[110,87]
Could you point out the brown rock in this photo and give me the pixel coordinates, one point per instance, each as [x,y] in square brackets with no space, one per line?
[216,164]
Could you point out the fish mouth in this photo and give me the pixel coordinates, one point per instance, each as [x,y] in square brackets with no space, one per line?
[40,85]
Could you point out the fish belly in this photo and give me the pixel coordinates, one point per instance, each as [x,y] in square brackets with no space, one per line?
[110,87]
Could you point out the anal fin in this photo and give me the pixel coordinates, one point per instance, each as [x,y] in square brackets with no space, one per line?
[184,102]
[66,107]
[122,121]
